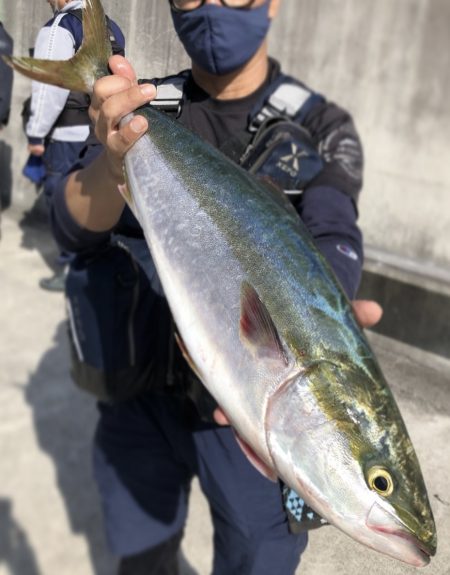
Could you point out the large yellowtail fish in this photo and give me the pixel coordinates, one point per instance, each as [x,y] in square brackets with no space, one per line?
[267,326]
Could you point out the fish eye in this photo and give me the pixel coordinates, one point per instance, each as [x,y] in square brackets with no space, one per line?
[380,480]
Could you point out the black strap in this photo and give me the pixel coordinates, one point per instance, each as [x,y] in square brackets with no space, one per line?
[285,98]
[169,94]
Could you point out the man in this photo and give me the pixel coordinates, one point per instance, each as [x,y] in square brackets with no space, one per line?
[6,82]
[6,79]
[59,122]
[149,446]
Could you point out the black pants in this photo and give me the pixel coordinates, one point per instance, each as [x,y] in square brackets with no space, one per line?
[161,560]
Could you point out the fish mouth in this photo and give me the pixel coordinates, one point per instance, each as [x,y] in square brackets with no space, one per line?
[425,552]
[402,543]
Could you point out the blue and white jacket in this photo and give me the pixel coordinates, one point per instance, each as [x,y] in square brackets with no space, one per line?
[59,39]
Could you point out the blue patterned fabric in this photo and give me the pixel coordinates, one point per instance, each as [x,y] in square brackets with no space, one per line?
[301,516]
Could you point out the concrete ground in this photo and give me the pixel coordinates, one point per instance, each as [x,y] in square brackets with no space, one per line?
[50,520]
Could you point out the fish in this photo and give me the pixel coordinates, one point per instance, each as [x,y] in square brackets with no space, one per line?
[265,324]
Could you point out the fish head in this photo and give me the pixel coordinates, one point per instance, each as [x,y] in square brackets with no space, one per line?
[336,436]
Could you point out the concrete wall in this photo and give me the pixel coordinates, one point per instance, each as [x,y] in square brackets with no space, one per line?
[387,61]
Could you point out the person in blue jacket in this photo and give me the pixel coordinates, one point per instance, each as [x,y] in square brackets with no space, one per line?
[157,428]
[6,83]
[58,125]
[6,76]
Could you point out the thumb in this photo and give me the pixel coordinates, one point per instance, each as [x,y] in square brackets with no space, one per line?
[121,67]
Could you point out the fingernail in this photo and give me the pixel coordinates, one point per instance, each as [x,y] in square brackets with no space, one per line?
[138,124]
[148,90]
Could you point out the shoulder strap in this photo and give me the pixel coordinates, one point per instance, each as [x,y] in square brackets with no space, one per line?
[280,146]
[115,46]
[169,92]
[284,98]
[77,13]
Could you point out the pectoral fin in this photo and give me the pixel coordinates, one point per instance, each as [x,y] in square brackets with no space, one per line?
[257,330]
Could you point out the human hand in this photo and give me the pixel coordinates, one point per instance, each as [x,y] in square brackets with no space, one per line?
[367,313]
[36,149]
[113,98]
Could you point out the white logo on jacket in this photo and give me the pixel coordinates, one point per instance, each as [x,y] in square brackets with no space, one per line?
[291,162]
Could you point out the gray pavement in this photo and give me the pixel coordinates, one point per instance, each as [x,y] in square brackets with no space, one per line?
[50,521]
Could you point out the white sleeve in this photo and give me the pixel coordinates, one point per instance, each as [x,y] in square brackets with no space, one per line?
[47,102]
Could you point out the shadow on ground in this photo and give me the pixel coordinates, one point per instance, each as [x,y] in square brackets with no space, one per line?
[36,234]
[64,420]
[15,550]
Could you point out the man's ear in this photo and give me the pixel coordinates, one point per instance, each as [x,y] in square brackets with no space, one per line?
[273,8]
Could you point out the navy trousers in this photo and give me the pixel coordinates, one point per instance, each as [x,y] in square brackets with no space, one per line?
[146,454]
[58,158]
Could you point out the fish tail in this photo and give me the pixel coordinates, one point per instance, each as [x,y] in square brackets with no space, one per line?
[89,63]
